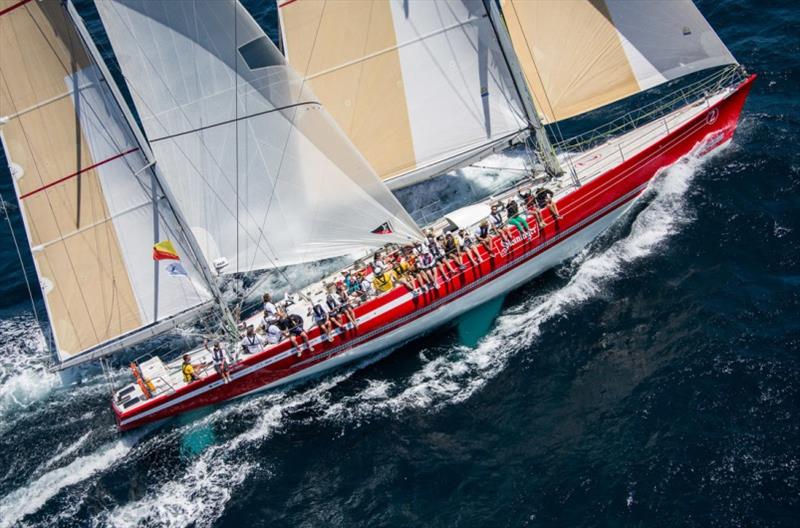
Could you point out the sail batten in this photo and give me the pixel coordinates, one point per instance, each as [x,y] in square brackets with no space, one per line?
[579,55]
[84,190]
[411,82]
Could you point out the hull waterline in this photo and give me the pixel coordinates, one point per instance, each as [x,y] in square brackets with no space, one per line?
[398,317]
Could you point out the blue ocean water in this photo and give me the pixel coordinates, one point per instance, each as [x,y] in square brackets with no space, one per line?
[651,381]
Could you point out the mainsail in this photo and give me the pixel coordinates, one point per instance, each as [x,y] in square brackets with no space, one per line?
[578,55]
[420,87]
[260,171]
[88,195]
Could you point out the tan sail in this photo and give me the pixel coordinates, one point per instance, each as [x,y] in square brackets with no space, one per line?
[72,166]
[414,84]
[578,55]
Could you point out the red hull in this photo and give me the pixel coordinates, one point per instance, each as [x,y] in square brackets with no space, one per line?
[585,205]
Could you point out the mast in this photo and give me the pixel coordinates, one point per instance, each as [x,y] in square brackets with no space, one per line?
[197,254]
[545,148]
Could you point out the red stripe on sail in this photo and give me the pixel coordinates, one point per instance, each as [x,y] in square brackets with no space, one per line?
[287,2]
[13,7]
[78,173]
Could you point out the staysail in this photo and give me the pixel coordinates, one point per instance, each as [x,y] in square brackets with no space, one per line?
[88,196]
[262,174]
[578,55]
[420,87]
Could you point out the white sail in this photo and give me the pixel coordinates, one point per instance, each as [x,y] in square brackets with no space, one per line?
[418,86]
[261,172]
[578,55]
[91,207]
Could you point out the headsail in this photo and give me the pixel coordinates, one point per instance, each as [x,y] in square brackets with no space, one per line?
[578,55]
[91,206]
[261,172]
[420,87]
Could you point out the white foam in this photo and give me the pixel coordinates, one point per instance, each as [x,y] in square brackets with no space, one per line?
[24,378]
[453,377]
[29,499]
[64,453]
[198,492]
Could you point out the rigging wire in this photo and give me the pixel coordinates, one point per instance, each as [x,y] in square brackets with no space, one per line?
[118,147]
[41,173]
[292,122]
[188,159]
[24,270]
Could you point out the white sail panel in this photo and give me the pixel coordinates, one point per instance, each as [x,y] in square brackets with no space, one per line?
[259,170]
[578,55]
[84,190]
[414,84]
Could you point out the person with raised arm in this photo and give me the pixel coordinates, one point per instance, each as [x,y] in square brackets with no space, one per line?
[529,201]
[544,198]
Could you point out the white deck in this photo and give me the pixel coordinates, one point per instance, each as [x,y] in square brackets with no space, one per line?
[587,165]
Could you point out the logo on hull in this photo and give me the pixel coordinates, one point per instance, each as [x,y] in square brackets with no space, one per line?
[712,116]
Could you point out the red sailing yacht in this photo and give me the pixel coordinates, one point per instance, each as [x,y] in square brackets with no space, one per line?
[354,105]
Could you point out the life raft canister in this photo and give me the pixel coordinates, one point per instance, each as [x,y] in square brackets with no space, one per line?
[146,386]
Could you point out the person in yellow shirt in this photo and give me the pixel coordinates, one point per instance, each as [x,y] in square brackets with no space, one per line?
[383,282]
[404,273]
[189,374]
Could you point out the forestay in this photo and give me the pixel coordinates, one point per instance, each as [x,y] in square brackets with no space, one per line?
[420,87]
[91,207]
[578,55]
[261,172]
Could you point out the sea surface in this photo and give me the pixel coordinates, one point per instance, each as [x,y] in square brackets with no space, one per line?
[654,380]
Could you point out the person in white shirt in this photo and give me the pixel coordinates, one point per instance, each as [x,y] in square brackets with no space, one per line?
[270,310]
[273,334]
[219,356]
[252,343]
[366,286]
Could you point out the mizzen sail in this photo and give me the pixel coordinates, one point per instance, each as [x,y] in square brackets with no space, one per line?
[88,196]
[262,174]
[420,87]
[578,55]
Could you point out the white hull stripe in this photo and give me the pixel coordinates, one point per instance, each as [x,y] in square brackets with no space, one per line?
[389,307]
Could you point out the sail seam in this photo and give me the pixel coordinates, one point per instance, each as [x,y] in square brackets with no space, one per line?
[77,173]
[46,102]
[234,120]
[95,224]
[378,53]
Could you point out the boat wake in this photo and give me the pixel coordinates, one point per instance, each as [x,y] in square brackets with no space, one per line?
[29,499]
[454,376]
[24,378]
[196,492]
[211,478]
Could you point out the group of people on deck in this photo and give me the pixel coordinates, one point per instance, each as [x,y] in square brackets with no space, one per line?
[417,267]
